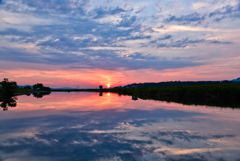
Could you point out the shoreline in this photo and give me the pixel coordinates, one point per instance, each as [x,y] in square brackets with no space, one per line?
[221,95]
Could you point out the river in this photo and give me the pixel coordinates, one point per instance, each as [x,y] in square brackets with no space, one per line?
[110,127]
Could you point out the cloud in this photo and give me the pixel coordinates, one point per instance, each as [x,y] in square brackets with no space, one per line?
[95,59]
[166,37]
[193,17]
[62,6]
[139,37]
[183,43]
[227,11]
[141,10]
[141,56]
[220,42]
[129,134]
[186,42]
[128,22]
[86,33]
[103,12]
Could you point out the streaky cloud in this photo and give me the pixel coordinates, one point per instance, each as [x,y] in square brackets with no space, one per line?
[193,17]
[227,11]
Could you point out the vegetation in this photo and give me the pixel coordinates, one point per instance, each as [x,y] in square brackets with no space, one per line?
[221,95]
[218,95]
[216,102]
[7,101]
[178,83]
[216,90]
[41,94]
[9,90]
[203,91]
[39,86]
[27,87]
[7,86]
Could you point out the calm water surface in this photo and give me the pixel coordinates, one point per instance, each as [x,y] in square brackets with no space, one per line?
[85,126]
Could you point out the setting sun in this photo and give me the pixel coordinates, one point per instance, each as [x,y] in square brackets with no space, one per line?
[109,86]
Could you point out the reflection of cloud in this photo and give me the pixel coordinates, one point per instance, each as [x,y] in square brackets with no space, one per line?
[122,134]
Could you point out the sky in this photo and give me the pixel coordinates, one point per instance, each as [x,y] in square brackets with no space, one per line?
[85,43]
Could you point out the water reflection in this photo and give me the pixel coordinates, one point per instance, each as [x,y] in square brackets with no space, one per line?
[134,98]
[41,94]
[84,126]
[7,101]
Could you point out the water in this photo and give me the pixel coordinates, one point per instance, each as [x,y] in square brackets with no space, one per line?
[85,126]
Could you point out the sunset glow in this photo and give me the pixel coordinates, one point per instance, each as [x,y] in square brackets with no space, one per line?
[115,80]
[82,44]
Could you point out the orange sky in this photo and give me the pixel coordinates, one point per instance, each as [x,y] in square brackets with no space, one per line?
[117,42]
[92,78]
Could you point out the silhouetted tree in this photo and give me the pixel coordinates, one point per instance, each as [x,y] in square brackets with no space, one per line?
[45,89]
[41,94]
[8,101]
[37,86]
[28,87]
[7,86]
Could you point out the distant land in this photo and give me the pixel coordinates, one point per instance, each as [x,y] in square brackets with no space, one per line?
[213,93]
[179,83]
[236,80]
[159,84]
[63,88]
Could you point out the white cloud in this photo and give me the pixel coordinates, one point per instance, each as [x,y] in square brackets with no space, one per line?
[198,5]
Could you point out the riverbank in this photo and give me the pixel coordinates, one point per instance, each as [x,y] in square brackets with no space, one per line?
[221,95]
[18,91]
[227,91]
